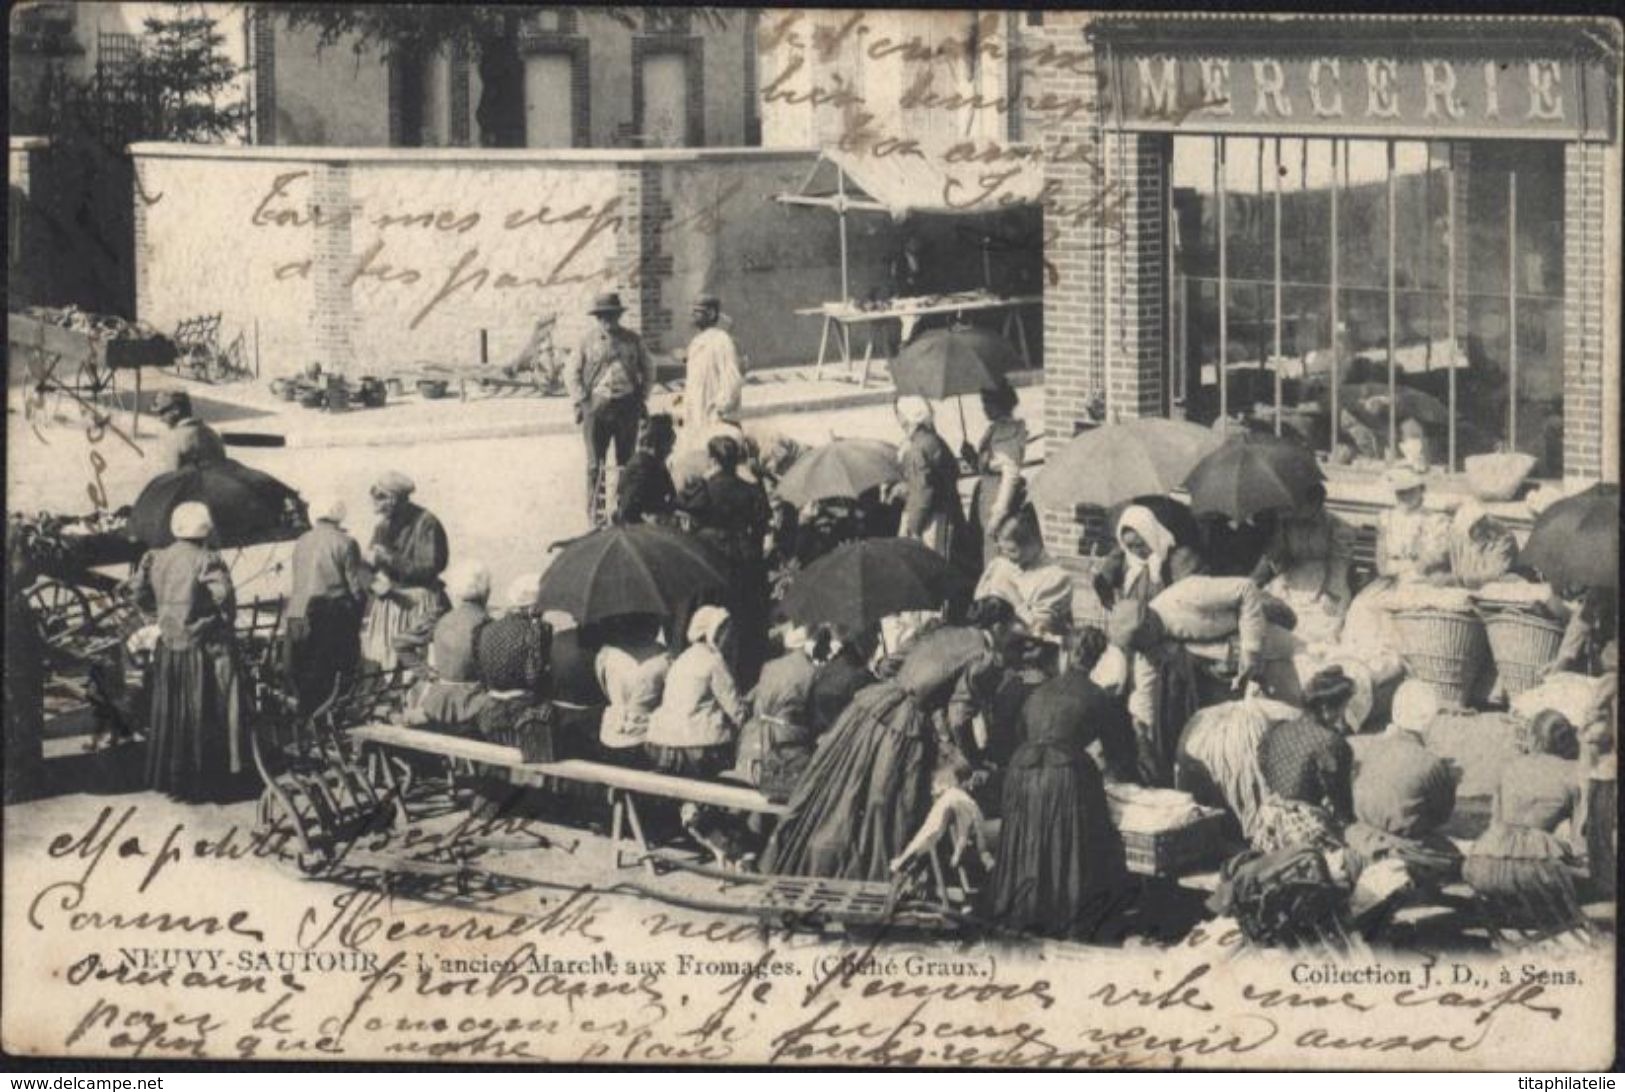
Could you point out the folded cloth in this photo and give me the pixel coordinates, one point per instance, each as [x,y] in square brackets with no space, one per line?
[1148,811]
[1567,692]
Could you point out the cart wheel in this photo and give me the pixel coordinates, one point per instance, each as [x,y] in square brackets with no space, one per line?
[62,610]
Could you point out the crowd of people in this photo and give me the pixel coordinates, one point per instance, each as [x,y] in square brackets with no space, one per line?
[1228,666]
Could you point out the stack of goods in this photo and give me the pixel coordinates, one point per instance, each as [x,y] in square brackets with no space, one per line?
[1165,832]
[1523,633]
[102,327]
[1441,640]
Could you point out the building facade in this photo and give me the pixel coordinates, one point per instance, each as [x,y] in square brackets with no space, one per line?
[578,78]
[1298,205]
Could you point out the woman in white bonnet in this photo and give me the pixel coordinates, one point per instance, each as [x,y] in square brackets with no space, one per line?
[692,733]
[197,747]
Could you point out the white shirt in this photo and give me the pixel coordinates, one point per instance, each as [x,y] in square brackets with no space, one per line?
[714,383]
[634,681]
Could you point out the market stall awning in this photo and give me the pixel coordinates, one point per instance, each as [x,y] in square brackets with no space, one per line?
[900,184]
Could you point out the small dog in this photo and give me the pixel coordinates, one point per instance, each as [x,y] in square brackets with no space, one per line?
[732,845]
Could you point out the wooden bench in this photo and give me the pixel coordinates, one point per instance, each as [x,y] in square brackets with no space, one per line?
[623,784]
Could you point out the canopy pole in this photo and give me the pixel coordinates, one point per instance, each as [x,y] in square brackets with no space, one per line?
[1393,317]
[1337,360]
[840,211]
[1512,310]
[1224,288]
[1277,365]
[964,433]
[1450,292]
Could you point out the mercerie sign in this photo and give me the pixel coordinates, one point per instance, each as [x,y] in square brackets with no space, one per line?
[1531,97]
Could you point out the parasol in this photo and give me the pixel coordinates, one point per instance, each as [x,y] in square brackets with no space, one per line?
[643,569]
[856,585]
[1576,540]
[1114,463]
[247,506]
[1253,474]
[840,468]
[948,363]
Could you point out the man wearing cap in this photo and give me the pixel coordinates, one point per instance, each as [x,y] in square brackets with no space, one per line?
[714,381]
[191,442]
[323,639]
[609,377]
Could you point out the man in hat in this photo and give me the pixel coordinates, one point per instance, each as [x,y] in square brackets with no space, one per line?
[609,377]
[191,442]
[323,640]
[714,381]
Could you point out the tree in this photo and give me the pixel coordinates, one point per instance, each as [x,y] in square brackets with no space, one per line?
[488,33]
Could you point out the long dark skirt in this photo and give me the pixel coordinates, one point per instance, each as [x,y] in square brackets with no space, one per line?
[1059,862]
[865,793]
[196,748]
[320,648]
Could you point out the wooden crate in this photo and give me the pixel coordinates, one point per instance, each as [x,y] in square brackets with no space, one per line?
[1171,853]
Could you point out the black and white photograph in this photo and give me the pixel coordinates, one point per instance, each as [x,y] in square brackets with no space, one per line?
[698,536]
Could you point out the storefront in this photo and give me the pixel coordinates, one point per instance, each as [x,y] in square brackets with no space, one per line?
[1353,221]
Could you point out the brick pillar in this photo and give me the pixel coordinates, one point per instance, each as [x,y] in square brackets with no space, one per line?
[1134,232]
[1585,309]
[641,252]
[332,319]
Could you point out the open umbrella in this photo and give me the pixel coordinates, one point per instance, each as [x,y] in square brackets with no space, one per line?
[947,362]
[247,506]
[856,585]
[1114,463]
[840,468]
[1408,401]
[1252,474]
[641,569]
[1576,540]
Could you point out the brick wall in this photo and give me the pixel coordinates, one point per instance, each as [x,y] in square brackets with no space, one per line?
[358,294]
[1585,313]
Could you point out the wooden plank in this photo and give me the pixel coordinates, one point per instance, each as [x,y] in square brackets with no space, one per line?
[734,797]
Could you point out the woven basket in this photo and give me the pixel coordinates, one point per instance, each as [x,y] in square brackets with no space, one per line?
[1497,477]
[1523,645]
[1444,648]
[1177,851]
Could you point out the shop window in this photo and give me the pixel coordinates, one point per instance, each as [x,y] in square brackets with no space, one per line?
[1313,267]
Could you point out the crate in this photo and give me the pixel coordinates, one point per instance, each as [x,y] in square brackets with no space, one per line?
[1173,852]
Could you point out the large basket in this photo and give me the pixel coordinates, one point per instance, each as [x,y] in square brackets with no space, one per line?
[1446,649]
[1523,644]
[1498,476]
[1178,850]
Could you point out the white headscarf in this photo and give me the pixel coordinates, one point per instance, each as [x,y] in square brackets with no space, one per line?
[1414,707]
[1138,518]
[914,411]
[329,507]
[469,582]
[522,591]
[191,520]
[703,627]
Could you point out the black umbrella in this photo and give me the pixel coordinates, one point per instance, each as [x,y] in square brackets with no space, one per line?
[858,584]
[247,506]
[642,569]
[1252,474]
[947,362]
[1576,540]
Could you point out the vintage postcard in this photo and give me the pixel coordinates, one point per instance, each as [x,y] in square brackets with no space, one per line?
[712,536]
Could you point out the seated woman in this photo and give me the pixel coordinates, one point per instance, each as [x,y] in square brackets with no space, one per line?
[513,662]
[446,701]
[692,733]
[1059,861]
[868,787]
[1520,866]
[1409,547]
[1024,576]
[777,741]
[1404,794]
[644,492]
[1308,767]
[632,667]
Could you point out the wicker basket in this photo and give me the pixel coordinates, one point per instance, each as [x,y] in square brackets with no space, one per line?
[1523,644]
[1178,850]
[1446,649]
